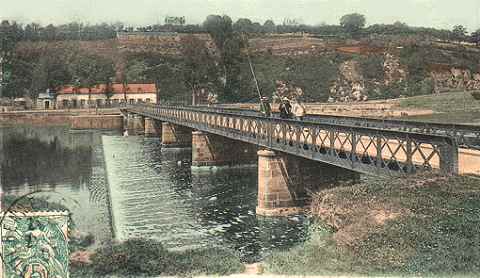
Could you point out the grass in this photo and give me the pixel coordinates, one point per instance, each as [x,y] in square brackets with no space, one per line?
[319,255]
[142,257]
[425,225]
[444,102]
[452,107]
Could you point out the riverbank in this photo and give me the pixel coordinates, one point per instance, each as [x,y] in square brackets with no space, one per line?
[75,118]
[426,225]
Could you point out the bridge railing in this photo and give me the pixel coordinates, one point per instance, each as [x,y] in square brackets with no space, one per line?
[362,149]
[467,136]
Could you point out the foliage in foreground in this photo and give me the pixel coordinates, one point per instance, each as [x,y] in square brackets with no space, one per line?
[427,225]
[319,255]
[141,257]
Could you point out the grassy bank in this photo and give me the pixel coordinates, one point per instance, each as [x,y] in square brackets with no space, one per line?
[427,225]
[141,257]
[453,107]
[444,102]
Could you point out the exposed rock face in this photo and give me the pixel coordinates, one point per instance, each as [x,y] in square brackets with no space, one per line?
[394,72]
[350,84]
[285,89]
[455,79]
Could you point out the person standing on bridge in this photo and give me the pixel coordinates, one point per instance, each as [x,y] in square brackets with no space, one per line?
[298,109]
[265,107]
[285,108]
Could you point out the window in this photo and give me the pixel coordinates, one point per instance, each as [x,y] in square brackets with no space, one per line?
[147,100]
[131,101]
[82,103]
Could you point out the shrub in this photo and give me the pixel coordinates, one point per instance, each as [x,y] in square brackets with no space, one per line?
[319,255]
[372,66]
[206,261]
[476,95]
[134,256]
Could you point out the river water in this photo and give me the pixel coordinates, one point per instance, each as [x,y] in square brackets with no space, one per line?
[129,187]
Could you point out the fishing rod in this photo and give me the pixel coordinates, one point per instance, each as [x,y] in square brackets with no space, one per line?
[245,38]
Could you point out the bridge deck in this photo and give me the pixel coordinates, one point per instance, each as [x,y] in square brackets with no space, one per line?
[362,149]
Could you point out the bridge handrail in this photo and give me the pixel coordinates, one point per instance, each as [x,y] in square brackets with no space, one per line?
[468,136]
[205,109]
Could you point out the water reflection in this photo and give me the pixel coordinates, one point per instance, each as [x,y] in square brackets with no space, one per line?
[71,164]
[35,161]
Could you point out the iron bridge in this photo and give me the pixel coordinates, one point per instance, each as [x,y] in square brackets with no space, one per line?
[365,149]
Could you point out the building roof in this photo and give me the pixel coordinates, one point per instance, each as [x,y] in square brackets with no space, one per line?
[45,96]
[116,87]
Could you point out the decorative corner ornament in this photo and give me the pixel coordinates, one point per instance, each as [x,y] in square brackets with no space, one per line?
[34,244]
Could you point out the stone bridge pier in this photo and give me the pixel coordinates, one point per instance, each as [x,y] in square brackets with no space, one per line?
[214,150]
[284,180]
[176,136]
[153,128]
[135,124]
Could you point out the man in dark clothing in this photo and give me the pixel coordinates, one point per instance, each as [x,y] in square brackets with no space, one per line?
[285,109]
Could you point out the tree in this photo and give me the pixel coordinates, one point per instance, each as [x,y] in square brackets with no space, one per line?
[269,26]
[220,28]
[476,37]
[198,67]
[91,70]
[50,33]
[229,45]
[243,25]
[459,33]
[353,23]
[10,34]
[49,72]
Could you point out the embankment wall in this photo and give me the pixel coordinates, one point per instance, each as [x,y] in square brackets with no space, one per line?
[76,120]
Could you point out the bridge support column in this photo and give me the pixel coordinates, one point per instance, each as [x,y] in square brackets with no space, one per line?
[137,125]
[153,128]
[275,197]
[283,180]
[175,136]
[214,150]
[129,122]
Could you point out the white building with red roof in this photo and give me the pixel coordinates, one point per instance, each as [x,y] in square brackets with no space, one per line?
[105,96]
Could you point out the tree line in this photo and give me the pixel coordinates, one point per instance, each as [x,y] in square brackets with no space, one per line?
[31,72]
[349,25]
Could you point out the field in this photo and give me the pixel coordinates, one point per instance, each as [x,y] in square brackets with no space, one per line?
[453,107]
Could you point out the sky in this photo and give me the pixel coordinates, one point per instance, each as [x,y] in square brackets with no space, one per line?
[428,13]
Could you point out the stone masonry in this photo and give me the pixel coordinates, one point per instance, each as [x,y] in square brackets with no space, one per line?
[214,150]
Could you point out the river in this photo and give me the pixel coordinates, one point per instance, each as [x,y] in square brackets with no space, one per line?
[129,187]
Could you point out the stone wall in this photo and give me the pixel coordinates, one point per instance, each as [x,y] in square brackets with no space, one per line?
[74,120]
[96,122]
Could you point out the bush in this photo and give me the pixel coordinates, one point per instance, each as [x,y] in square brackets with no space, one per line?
[207,261]
[476,95]
[372,66]
[134,256]
[137,257]
[319,255]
